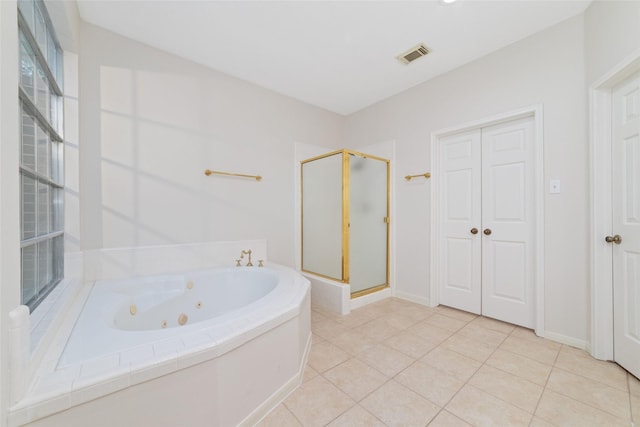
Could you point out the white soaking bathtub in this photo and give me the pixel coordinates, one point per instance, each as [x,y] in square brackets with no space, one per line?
[128,313]
[215,347]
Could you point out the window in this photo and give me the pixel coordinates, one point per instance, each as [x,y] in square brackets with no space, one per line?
[41,154]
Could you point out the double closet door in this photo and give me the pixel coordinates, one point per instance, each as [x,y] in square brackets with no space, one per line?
[487,233]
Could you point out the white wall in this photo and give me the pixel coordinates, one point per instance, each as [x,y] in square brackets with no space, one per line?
[612,32]
[71,155]
[9,187]
[151,123]
[546,68]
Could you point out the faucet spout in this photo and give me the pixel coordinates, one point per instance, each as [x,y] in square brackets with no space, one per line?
[247,252]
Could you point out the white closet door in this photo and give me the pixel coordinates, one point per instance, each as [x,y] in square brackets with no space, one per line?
[626,223]
[508,223]
[460,270]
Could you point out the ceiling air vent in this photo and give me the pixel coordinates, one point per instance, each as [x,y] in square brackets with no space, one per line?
[413,54]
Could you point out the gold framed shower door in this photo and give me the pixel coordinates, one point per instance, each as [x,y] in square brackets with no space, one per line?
[345,273]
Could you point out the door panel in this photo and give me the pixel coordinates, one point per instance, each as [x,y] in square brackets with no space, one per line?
[459,207]
[368,230]
[322,211]
[508,274]
[626,223]
[632,295]
[632,176]
[460,212]
[460,257]
[509,265]
[509,202]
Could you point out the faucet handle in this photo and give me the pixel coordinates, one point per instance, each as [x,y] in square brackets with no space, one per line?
[260,263]
[237,263]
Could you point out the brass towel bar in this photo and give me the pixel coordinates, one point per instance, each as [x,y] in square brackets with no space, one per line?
[426,175]
[209,172]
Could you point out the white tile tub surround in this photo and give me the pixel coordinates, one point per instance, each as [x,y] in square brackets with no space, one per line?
[45,320]
[330,294]
[277,335]
[335,296]
[151,260]
[19,346]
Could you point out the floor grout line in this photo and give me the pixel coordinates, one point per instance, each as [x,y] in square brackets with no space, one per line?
[394,309]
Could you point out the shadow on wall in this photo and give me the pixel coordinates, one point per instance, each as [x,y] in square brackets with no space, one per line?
[154,143]
[153,122]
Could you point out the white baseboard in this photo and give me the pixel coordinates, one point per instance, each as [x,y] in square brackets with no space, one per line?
[563,339]
[412,298]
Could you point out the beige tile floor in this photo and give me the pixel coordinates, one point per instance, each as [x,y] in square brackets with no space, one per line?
[395,363]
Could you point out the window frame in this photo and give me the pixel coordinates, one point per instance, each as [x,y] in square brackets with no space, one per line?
[44,247]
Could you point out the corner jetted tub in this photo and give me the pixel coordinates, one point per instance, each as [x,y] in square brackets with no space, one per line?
[215,347]
[125,313]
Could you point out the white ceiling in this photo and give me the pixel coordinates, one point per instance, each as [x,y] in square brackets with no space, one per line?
[337,55]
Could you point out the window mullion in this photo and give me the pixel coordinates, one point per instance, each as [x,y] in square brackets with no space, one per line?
[38,239]
[41,178]
[40,118]
[24,28]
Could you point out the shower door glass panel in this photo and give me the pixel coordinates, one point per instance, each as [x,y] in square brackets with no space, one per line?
[368,231]
[322,216]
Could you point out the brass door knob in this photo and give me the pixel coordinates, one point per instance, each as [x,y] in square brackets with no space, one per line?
[487,231]
[613,239]
[474,230]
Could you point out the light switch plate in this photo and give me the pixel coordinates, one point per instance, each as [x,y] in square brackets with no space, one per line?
[554,186]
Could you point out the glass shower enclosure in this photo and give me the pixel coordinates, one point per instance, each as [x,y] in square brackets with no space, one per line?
[345,219]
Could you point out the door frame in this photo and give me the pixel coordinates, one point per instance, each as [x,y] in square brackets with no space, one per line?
[600,125]
[537,112]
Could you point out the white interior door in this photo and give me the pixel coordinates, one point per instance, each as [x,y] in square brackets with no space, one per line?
[626,223]
[460,209]
[508,238]
[487,221]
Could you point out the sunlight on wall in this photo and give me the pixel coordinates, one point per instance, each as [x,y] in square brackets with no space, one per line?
[149,182]
[71,155]
[153,122]
[157,135]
